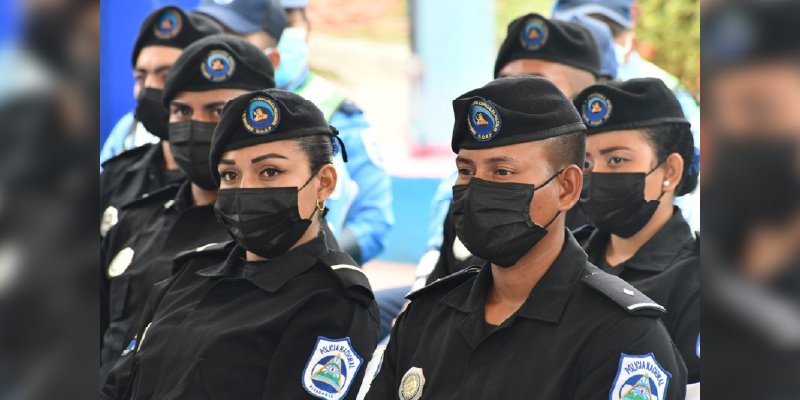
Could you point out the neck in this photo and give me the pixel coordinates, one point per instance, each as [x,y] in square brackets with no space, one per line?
[201,197]
[169,160]
[620,249]
[513,285]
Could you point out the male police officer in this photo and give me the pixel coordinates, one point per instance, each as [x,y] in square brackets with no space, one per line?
[144,169]
[537,320]
[138,251]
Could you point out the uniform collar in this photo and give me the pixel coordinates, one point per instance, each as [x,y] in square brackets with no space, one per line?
[153,156]
[547,300]
[657,254]
[183,198]
[273,274]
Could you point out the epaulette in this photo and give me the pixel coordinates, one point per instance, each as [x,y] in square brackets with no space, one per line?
[161,195]
[349,108]
[133,154]
[445,283]
[623,293]
[211,250]
[353,280]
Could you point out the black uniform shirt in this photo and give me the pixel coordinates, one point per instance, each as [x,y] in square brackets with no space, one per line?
[666,269]
[581,334]
[129,176]
[305,323]
[138,252]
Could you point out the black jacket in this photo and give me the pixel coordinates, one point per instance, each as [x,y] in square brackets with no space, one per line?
[222,328]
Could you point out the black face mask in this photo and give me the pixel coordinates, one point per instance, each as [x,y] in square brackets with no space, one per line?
[493,219]
[264,221]
[190,142]
[152,113]
[614,202]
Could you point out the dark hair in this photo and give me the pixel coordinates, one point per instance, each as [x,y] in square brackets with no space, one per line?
[319,149]
[567,149]
[676,138]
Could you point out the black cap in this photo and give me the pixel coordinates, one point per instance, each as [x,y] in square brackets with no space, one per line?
[172,27]
[535,37]
[512,110]
[247,16]
[219,62]
[633,104]
[266,116]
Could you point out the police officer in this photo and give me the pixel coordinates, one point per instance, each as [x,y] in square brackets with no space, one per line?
[564,52]
[639,153]
[141,170]
[138,251]
[537,320]
[275,314]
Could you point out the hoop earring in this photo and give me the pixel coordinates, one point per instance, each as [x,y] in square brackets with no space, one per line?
[320,205]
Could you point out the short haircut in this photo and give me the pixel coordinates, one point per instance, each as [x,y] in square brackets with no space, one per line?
[565,150]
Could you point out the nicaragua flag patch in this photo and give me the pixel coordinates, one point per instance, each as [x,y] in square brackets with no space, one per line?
[331,369]
[640,377]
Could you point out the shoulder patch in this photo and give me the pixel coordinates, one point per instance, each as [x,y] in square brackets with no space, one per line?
[445,283]
[130,156]
[623,293]
[640,377]
[349,108]
[331,369]
[159,196]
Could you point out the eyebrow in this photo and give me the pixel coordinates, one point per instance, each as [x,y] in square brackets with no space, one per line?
[178,103]
[214,104]
[227,162]
[612,149]
[495,160]
[159,69]
[266,157]
[460,159]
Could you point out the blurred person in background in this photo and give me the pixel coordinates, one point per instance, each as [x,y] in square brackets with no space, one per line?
[360,211]
[141,170]
[48,148]
[751,67]
[621,17]
[138,251]
[639,151]
[275,313]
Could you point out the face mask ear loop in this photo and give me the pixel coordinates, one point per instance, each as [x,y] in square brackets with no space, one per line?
[651,171]
[548,180]
[552,220]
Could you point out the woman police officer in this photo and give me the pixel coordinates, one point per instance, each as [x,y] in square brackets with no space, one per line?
[275,314]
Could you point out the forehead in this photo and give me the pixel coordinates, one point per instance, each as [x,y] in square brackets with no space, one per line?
[285,148]
[523,67]
[157,56]
[634,139]
[529,153]
[208,96]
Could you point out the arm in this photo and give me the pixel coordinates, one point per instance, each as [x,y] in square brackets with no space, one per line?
[370,216]
[326,327]
[635,351]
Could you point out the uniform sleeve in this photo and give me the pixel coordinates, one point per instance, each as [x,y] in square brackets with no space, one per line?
[687,336]
[370,215]
[384,385]
[114,143]
[634,351]
[328,326]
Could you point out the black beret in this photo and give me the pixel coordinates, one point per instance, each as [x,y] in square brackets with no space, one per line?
[267,116]
[172,27]
[535,37]
[633,104]
[219,62]
[512,110]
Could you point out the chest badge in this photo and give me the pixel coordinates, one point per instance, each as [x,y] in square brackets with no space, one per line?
[640,377]
[412,383]
[331,369]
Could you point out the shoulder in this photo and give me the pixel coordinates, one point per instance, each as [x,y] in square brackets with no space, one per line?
[203,256]
[620,293]
[444,285]
[349,277]
[162,197]
[127,157]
